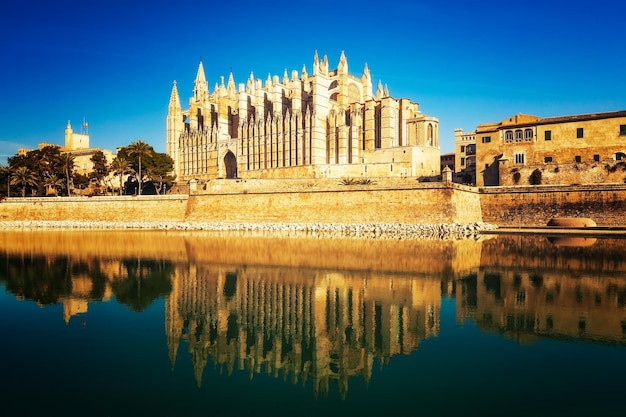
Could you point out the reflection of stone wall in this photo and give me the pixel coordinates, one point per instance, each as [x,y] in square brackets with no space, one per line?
[414,256]
[530,287]
[523,252]
[305,325]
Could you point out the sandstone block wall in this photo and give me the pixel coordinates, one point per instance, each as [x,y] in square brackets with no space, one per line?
[418,204]
[111,209]
[292,202]
[535,206]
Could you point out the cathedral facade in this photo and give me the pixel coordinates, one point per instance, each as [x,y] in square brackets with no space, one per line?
[328,124]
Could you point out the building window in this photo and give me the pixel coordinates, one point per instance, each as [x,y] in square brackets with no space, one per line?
[462,162]
[596,157]
[622,130]
[508,136]
[577,158]
[520,158]
[579,132]
[528,134]
[619,156]
[548,135]
[548,159]
[518,135]
[487,139]
[462,148]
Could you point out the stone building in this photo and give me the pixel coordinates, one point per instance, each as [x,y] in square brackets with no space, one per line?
[577,149]
[78,145]
[447,160]
[465,156]
[327,124]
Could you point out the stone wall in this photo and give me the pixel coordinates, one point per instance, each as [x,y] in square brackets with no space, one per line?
[103,209]
[307,201]
[417,203]
[536,205]
[272,202]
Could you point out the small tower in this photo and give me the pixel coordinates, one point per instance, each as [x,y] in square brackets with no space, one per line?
[174,124]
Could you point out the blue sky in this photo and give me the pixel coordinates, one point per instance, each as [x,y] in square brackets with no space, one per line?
[113,62]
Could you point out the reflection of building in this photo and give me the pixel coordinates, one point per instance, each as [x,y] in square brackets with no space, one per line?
[327,124]
[532,287]
[313,325]
[523,305]
[525,149]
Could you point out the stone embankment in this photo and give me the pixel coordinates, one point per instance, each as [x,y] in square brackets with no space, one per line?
[453,231]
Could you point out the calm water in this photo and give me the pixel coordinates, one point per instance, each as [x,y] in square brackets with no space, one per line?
[156,323]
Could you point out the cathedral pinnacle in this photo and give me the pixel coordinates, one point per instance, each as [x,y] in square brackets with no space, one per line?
[174,99]
[342,67]
[200,86]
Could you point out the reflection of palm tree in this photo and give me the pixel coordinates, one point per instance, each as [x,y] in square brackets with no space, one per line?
[140,149]
[121,166]
[24,177]
[53,182]
[67,165]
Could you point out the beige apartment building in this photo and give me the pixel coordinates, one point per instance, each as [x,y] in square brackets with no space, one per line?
[326,124]
[577,149]
[465,156]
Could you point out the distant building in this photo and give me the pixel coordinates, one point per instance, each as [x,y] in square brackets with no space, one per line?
[464,149]
[578,149]
[78,145]
[447,160]
[327,124]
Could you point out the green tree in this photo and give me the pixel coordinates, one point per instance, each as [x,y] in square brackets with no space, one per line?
[42,162]
[140,149]
[5,174]
[53,182]
[66,161]
[100,167]
[24,177]
[121,166]
[159,170]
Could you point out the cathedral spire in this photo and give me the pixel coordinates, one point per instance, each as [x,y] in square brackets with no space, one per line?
[231,83]
[174,99]
[200,86]
[366,79]
[342,68]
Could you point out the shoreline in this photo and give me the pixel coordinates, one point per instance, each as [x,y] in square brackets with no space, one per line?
[455,231]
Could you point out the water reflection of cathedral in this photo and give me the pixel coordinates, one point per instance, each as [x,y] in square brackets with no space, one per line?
[301,325]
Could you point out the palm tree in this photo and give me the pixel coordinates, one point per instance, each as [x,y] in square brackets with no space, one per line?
[67,165]
[121,166]
[140,149]
[24,177]
[53,182]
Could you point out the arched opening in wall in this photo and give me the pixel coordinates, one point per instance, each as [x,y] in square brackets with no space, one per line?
[430,134]
[230,163]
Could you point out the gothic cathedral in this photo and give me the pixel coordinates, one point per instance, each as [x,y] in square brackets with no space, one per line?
[325,125]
